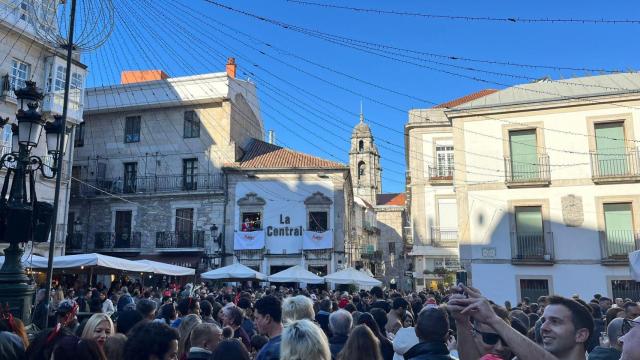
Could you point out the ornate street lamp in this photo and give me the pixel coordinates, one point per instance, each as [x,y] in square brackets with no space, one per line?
[22,217]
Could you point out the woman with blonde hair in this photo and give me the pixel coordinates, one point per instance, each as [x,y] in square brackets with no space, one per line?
[99,327]
[297,308]
[304,340]
[361,345]
[188,323]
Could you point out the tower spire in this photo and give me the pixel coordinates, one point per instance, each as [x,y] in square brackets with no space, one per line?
[361,113]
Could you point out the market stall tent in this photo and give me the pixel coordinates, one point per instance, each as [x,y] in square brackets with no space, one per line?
[31,261]
[99,261]
[351,276]
[233,272]
[167,269]
[296,274]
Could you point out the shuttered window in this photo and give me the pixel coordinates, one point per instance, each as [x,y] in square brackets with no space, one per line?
[618,220]
[132,129]
[610,149]
[524,158]
[529,232]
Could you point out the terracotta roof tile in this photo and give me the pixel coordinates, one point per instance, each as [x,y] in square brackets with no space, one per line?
[262,155]
[465,99]
[398,199]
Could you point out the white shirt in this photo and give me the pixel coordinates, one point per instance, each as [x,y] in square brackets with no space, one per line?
[107,307]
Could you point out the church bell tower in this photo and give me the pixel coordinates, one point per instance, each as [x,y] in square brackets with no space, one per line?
[364,163]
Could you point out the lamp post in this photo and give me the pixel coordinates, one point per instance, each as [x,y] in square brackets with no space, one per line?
[22,217]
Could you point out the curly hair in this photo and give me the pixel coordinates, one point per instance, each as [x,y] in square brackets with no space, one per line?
[149,338]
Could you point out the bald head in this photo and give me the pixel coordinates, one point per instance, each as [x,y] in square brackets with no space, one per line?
[614,330]
[206,336]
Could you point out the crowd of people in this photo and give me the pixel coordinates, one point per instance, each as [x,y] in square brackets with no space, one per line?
[200,322]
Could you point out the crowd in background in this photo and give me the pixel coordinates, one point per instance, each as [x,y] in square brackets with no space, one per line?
[130,321]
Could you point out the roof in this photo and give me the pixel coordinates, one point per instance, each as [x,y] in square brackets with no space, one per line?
[262,155]
[465,99]
[362,202]
[397,199]
[555,90]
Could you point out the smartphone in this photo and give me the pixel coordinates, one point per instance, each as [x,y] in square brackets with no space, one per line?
[461,277]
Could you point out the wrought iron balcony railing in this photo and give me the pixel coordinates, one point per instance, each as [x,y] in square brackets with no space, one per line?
[442,174]
[179,240]
[617,244]
[536,248]
[444,237]
[150,185]
[74,242]
[615,167]
[522,172]
[109,241]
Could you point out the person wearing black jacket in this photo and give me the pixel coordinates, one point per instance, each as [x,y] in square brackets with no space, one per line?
[432,328]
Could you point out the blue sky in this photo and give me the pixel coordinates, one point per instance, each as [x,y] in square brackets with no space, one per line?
[314,116]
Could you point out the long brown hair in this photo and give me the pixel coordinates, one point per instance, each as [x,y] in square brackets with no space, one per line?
[362,344]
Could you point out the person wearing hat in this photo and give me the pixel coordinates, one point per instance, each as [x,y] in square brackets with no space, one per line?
[64,316]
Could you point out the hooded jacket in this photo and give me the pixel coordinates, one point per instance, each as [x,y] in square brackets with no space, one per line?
[405,339]
[602,353]
[428,351]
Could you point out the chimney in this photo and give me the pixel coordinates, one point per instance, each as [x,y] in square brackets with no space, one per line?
[138,76]
[231,67]
[272,137]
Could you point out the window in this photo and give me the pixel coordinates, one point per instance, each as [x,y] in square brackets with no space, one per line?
[524,158]
[132,129]
[392,248]
[78,141]
[529,233]
[626,289]
[76,173]
[610,149]
[123,228]
[444,160]
[533,289]
[361,169]
[189,174]
[6,140]
[130,177]
[619,234]
[318,221]
[20,73]
[191,124]
[184,227]
[251,221]
[24,10]
[361,145]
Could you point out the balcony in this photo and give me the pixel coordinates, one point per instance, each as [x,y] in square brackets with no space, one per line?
[617,244]
[180,241]
[408,235]
[48,161]
[532,248]
[440,175]
[520,173]
[7,93]
[612,168]
[74,243]
[444,237]
[117,242]
[150,185]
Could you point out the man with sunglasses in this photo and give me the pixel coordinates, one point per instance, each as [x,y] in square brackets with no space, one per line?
[630,339]
[565,330]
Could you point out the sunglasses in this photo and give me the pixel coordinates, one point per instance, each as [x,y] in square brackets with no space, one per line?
[627,325]
[489,338]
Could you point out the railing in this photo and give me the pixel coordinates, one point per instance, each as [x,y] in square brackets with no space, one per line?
[534,247]
[117,241]
[617,244]
[48,162]
[408,234]
[150,185]
[5,149]
[608,166]
[7,91]
[177,240]
[444,237]
[74,242]
[441,173]
[522,171]
[374,255]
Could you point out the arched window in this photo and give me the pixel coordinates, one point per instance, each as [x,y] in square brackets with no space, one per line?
[360,169]
[361,145]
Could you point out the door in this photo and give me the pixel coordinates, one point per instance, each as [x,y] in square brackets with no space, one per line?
[184,227]
[610,150]
[447,230]
[619,236]
[189,174]
[130,177]
[524,158]
[123,229]
[529,232]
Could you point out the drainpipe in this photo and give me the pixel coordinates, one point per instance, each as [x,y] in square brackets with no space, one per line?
[224,220]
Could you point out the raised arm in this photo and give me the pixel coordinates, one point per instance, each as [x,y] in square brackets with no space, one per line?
[467,348]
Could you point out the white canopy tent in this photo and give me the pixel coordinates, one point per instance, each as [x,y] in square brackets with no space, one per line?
[32,261]
[296,274]
[167,269]
[100,261]
[233,272]
[351,276]
[634,265]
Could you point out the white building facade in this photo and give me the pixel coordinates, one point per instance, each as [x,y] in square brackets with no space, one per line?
[546,186]
[29,58]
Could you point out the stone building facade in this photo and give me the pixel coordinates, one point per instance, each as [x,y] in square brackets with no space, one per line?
[149,165]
